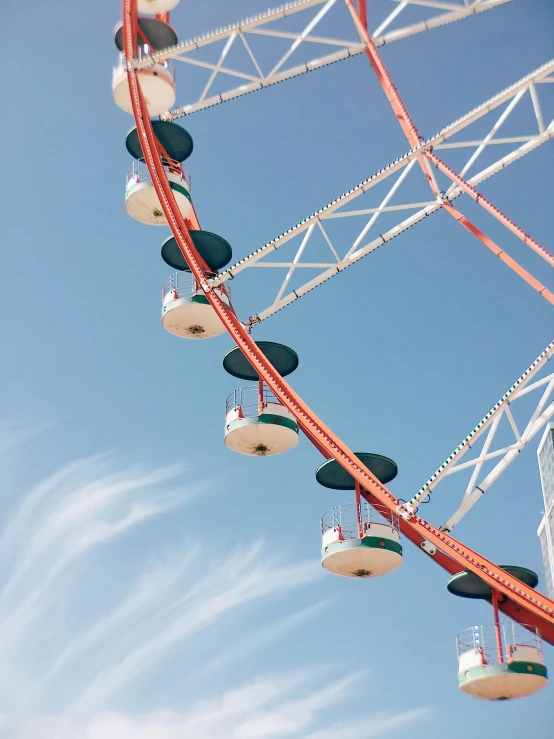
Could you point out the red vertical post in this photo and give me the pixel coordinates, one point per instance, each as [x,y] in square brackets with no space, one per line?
[498,631]
[260,396]
[359,508]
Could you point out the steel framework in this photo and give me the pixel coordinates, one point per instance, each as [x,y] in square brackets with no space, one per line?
[529,90]
[518,601]
[536,416]
[237,39]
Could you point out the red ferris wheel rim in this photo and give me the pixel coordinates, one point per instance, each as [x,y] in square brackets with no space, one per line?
[521,603]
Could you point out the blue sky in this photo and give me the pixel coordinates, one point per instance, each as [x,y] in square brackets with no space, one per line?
[154,584]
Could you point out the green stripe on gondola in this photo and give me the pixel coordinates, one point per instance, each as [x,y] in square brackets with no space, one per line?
[268,418]
[377,542]
[372,542]
[278,421]
[179,188]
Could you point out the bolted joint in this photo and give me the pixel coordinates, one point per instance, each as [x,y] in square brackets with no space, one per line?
[404,511]
[428,548]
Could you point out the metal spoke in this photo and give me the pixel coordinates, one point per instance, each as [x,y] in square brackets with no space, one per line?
[225,89]
[538,418]
[341,207]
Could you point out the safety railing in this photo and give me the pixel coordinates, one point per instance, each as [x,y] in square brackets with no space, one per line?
[183,285]
[138,171]
[496,643]
[352,517]
[121,65]
[249,401]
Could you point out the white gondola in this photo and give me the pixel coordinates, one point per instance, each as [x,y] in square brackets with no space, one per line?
[156,7]
[257,424]
[156,82]
[186,311]
[500,662]
[358,542]
[142,202]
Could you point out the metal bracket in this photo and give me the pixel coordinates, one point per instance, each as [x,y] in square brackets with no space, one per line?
[404,512]
[428,548]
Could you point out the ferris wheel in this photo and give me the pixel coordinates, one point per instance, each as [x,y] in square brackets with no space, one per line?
[361,538]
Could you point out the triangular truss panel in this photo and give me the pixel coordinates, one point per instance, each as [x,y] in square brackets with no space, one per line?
[486,452]
[398,197]
[293,39]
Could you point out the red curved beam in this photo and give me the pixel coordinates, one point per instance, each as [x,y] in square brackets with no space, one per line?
[522,603]
[413,137]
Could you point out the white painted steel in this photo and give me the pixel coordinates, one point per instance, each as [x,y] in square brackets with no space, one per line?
[334,208]
[383,237]
[259,25]
[538,417]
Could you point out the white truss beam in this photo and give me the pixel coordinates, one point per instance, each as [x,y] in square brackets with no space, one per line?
[219,90]
[391,233]
[538,417]
[514,96]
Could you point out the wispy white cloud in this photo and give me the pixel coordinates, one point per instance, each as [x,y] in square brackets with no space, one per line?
[14,434]
[245,585]
[264,636]
[239,714]
[83,512]
[375,725]
[153,587]
[86,513]
[169,598]
[78,509]
[293,716]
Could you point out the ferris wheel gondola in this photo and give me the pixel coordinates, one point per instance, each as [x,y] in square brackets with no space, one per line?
[158,80]
[141,201]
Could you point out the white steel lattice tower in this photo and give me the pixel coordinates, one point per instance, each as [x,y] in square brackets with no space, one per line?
[545,454]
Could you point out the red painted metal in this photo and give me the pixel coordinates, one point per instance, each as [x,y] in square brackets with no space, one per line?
[260,396]
[362,9]
[359,508]
[530,607]
[492,209]
[497,629]
[500,253]
[414,138]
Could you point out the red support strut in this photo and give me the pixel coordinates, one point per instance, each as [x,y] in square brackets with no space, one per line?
[414,139]
[497,627]
[359,509]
